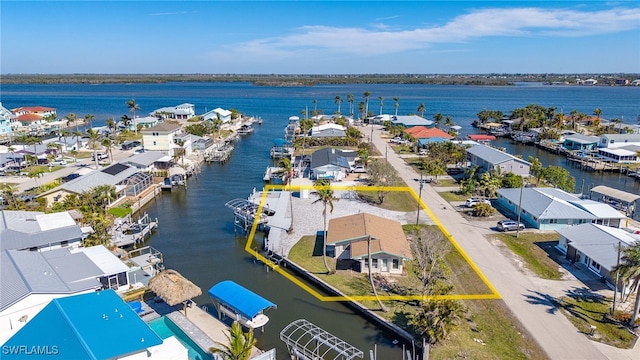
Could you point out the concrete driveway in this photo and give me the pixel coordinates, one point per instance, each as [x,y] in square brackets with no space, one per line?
[527,297]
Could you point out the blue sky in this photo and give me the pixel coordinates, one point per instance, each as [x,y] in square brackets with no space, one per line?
[328,37]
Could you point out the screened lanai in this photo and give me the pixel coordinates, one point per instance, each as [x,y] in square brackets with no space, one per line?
[136,183]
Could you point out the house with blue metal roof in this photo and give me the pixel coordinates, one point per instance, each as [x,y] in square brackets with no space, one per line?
[29,280]
[544,208]
[240,303]
[488,158]
[97,325]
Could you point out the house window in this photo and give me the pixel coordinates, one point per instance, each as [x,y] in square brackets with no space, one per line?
[154,143]
[64,243]
[595,265]
[366,263]
[395,264]
[374,263]
[524,211]
[535,218]
[553,221]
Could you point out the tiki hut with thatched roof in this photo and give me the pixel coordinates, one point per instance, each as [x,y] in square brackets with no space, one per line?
[173,288]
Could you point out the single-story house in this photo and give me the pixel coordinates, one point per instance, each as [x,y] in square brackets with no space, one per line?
[37,231]
[621,155]
[348,239]
[576,141]
[618,140]
[618,199]
[142,122]
[595,247]
[180,112]
[409,121]
[330,164]
[222,114]
[605,214]
[67,327]
[481,138]
[200,143]
[69,143]
[426,135]
[544,208]
[328,130]
[149,161]
[488,158]
[127,180]
[31,279]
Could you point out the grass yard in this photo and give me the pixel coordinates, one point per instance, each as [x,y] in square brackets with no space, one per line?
[586,309]
[489,330]
[450,196]
[394,200]
[446,182]
[530,247]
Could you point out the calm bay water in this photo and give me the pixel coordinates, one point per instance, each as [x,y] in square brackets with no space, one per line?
[196,231]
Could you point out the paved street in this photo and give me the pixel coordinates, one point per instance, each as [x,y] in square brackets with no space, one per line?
[526,296]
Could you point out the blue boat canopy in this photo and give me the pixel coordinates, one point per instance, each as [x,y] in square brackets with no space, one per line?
[240,299]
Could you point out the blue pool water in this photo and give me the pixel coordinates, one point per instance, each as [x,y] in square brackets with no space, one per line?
[165,328]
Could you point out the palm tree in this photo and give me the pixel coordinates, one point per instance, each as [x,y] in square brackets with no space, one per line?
[315,107]
[126,121]
[338,100]
[629,270]
[361,109]
[437,118]
[381,103]
[285,163]
[108,144]
[397,104]
[325,195]
[9,192]
[367,94]
[240,344]
[94,144]
[350,100]
[448,122]
[88,119]
[72,118]
[421,109]
[133,107]
[111,125]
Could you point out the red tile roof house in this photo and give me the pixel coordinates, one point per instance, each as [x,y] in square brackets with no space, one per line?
[30,115]
[347,239]
[422,132]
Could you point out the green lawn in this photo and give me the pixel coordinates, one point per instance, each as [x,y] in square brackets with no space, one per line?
[489,330]
[531,248]
[585,310]
[450,196]
[394,200]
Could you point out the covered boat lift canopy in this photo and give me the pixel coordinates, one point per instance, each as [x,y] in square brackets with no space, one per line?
[241,304]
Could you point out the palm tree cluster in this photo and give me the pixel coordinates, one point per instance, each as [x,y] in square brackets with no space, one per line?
[629,272]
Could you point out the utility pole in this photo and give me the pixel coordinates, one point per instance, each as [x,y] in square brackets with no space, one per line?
[615,286]
[419,200]
[519,211]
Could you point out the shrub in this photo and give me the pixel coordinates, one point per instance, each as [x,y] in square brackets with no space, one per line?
[483,210]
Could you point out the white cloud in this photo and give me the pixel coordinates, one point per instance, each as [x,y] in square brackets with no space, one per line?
[379,40]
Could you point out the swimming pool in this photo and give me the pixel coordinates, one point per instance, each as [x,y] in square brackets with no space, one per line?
[165,328]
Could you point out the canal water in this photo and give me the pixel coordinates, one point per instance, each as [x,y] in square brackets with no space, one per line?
[196,231]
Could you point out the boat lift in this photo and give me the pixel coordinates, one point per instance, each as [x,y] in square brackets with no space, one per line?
[245,213]
[240,304]
[306,341]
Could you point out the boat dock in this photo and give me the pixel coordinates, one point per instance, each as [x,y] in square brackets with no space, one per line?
[219,153]
[126,232]
[273,175]
[280,220]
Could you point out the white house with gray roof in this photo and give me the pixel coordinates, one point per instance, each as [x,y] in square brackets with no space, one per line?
[224,115]
[595,246]
[488,158]
[180,112]
[149,161]
[127,180]
[37,231]
[618,140]
[544,208]
[409,121]
[331,164]
[30,280]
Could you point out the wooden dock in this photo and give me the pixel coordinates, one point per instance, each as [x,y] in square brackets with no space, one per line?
[126,232]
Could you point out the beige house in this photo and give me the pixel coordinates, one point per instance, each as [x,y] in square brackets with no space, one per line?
[161,137]
[348,237]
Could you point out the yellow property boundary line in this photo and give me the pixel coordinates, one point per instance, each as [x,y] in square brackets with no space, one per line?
[493,295]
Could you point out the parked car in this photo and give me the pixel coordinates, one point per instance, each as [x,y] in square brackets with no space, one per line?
[359,169]
[70,177]
[58,162]
[102,156]
[509,225]
[471,202]
[423,152]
